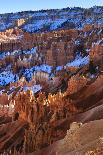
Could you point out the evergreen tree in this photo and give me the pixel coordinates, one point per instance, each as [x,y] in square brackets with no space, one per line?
[92,68]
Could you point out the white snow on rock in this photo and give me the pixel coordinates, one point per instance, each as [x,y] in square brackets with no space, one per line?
[34,88]
[30,71]
[79,61]
[6,77]
[57,23]
[44,67]
[36,22]
[4,54]
[16,52]
[36,25]
[58,68]
[32,51]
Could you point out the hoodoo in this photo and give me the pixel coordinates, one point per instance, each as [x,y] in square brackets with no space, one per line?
[51,79]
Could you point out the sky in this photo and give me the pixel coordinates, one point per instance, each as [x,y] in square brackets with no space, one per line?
[25,5]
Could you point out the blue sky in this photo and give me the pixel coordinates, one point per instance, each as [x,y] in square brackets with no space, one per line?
[21,5]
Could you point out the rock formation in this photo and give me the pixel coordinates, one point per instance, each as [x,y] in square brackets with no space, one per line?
[46,83]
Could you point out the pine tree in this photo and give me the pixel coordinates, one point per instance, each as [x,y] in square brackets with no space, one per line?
[92,68]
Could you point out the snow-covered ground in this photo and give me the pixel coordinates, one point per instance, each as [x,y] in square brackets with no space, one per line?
[36,25]
[39,19]
[57,23]
[44,67]
[6,77]
[79,61]
[32,51]
[58,68]
[17,52]
[39,24]
[34,88]
[29,72]
[4,54]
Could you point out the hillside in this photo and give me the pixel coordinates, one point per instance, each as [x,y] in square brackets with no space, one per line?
[49,20]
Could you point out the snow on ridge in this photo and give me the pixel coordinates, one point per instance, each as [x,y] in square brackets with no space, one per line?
[57,23]
[40,14]
[79,61]
[75,14]
[36,25]
[16,52]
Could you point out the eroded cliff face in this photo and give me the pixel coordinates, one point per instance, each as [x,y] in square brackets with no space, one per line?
[43,114]
[82,139]
[47,81]
[56,48]
[49,118]
[56,42]
[54,19]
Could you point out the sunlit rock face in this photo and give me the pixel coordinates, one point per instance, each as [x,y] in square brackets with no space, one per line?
[96,53]
[20,22]
[47,111]
[76,83]
[76,142]
[10,39]
[60,53]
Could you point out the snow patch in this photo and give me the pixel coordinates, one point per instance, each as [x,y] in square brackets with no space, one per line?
[34,88]
[79,61]
[6,77]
